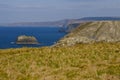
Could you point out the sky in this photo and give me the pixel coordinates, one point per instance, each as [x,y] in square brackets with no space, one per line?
[51,10]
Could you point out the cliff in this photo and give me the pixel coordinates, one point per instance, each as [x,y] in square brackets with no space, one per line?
[26,40]
[90,32]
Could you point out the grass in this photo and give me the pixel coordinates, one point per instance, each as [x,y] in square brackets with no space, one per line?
[99,61]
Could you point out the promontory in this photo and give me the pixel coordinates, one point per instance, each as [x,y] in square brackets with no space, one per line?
[91,32]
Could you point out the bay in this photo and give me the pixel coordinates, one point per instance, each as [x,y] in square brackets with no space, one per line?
[46,36]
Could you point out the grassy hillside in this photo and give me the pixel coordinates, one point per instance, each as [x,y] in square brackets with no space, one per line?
[99,61]
[90,32]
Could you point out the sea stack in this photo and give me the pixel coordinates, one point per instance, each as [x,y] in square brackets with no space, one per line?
[92,32]
[23,39]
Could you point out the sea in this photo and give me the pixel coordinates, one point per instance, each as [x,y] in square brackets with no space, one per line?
[46,36]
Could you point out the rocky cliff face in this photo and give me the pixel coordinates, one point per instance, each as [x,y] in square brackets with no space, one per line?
[26,40]
[90,32]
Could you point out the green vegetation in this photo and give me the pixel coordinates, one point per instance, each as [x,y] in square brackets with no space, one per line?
[98,61]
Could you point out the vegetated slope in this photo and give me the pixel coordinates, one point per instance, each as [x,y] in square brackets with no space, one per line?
[97,31]
[80,62]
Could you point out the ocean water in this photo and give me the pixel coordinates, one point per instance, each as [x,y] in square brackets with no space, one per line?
[46,36]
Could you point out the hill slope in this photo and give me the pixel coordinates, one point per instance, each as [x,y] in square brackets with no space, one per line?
[98,31]
[80,62]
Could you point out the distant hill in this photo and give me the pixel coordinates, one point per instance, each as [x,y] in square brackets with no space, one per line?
[37,24]
[61,23]
[100,18]
[89,19]
[90,32]
[73,23]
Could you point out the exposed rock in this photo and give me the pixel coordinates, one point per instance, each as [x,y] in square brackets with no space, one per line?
[90,32]
[71,27]
[26,40]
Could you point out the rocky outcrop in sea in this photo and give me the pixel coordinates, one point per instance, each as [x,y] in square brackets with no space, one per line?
[23,39]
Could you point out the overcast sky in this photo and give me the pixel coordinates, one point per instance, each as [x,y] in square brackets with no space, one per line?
[51,10]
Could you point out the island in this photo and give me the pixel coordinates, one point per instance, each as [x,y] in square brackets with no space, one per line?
[23,39]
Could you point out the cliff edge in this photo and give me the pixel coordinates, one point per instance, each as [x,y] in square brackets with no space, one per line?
[90,32]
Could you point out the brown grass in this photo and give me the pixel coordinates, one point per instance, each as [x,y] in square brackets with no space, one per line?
[80,62]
